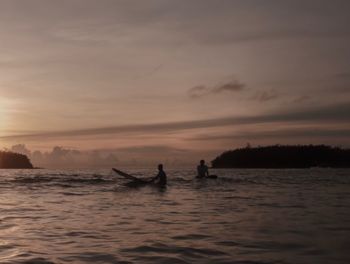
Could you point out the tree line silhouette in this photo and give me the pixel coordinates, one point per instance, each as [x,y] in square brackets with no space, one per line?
[283,156]
[11,160]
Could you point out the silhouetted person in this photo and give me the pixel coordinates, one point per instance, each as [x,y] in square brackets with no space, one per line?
[202,170]
[161,178]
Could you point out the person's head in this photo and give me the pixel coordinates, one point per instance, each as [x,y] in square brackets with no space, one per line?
[202,162]
[160,167]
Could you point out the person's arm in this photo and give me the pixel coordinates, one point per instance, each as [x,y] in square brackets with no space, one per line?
[207,172]
[154,178]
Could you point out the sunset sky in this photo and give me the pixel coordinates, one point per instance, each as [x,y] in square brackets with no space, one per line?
[173,80]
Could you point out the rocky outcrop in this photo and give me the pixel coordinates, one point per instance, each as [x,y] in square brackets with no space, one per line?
[11,160]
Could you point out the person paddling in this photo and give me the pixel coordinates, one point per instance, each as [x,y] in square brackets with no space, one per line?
[202,170]
[161,178]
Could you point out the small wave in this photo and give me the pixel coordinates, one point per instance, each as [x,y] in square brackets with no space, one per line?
[172,249]
[88,181]
[7,226]
[76,234]
[37,261]
[227,243]
[191,237]
[160,259]
[71,180]
[35,179]
[93,257]
[273,246]
[62,180]
[72,194]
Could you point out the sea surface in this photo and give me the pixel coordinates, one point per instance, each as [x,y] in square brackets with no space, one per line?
[246,216]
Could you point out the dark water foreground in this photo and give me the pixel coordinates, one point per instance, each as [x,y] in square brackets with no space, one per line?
[246,217]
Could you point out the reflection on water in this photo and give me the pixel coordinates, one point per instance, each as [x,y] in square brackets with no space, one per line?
[245,216]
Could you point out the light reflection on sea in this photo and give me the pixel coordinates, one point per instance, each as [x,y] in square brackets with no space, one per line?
[245,216]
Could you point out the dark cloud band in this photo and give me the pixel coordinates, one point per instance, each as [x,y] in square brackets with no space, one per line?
[201,90]
[333,113]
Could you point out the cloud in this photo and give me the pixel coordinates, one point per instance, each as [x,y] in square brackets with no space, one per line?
[330,113]
[234,86]
[198,91]
[20,148]
[231,87]
[269,35]
[152,149]
[61,157]
[206,22]
[263,96]
[302,98]
[343,75]
[284,133]
[201,90]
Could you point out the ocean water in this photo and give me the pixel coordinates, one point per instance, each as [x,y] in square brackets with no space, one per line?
[245,216]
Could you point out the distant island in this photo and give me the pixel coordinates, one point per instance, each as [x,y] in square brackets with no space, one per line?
[279,156]
[11,160]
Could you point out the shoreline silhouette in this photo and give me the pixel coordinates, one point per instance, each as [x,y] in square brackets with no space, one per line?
[284,156]
[12,160]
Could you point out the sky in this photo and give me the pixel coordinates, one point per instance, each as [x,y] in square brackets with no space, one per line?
[89,83]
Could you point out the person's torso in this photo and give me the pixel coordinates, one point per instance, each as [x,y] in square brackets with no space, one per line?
[162,178]
[202,170]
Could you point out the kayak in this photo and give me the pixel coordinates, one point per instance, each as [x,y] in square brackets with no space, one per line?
[208,177]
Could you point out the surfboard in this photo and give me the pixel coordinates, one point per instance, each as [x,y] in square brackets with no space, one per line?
[124,174]
[208,177]
[129,177]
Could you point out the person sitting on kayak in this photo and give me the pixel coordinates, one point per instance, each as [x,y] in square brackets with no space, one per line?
[161,178]
[202,170]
